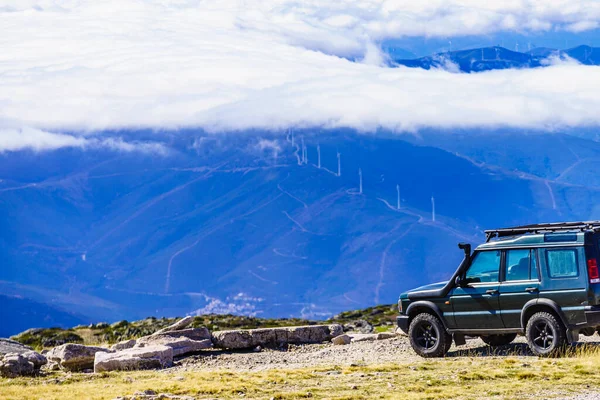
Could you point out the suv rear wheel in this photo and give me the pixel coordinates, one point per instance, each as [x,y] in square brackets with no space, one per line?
[428,337]
[499,340]
[545,334]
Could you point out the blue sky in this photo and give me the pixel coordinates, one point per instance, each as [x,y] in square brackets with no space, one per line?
[72,69]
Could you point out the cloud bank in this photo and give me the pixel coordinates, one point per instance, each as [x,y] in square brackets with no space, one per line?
[38,140]
[91,65]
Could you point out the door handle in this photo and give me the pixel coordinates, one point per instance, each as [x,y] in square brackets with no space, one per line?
[531,289]
[491,291]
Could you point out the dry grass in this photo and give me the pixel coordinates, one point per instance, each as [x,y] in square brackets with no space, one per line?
[463,377]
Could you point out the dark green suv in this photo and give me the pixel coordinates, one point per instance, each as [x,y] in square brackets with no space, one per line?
[538,280]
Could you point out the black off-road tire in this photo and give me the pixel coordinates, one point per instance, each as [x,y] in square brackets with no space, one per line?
[499,340]
[545,334]
[428,337]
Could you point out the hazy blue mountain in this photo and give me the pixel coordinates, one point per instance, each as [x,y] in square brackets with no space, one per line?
[18,314]
[475,60]
[227,224]
[493,58]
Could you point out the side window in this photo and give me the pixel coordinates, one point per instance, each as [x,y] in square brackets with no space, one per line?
[562,263]
[484,267]
[521,265]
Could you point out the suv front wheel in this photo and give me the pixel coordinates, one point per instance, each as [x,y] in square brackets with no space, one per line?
[545,334]
[428,337]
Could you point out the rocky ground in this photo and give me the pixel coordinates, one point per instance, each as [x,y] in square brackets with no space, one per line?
[358,353]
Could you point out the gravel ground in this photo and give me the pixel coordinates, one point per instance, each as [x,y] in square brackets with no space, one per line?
[363,353]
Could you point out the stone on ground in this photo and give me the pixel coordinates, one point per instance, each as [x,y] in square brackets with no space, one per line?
[362,337]
[137,358]
[13,365]
[180,345]
[275,337]
[10,346]
[177,326]
[75,357]
[190,333]
[125,344]
[385,335]
[28,361]
[341,340]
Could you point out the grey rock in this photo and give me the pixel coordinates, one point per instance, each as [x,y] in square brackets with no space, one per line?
[149,357]
[35,358]
[75,357]
[177,326]
[13,365]
[180,345]
[125,344]
[10,346]
[190,333]
[274,337]
[359,325]
[385,335]
[341,340]
[362,337]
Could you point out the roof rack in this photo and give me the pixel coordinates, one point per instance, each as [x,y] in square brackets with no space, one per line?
[539,228]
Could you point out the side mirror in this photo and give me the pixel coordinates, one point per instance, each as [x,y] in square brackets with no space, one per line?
[458,281]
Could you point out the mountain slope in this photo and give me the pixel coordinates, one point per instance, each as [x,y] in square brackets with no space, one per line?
[235,224]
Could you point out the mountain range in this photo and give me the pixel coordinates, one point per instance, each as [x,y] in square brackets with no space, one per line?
[239,223]
[496,57]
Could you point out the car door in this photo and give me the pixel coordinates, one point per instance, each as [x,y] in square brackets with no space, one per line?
[475,303]
[520,284]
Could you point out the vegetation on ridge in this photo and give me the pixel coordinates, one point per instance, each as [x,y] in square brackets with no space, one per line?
[381,317]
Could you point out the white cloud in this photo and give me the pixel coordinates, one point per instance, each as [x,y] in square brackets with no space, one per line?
[89,65]
[38,140]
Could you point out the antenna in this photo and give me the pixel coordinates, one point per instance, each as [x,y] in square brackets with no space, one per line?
[339,157]
[398,192]
[360,181]
[432,208]
[318,156]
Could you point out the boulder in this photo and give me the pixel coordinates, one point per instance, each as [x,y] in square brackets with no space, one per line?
[10,346]
[359,325]
[13,365]
[35,358]
[180,345]
[362,337]
[386,335]
[275,337]
[341,340]
[149,357]
[190,333]
[75,357]
[177,326]
[125,344]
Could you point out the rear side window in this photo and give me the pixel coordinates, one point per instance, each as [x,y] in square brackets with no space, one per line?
[562,263]
[521,265]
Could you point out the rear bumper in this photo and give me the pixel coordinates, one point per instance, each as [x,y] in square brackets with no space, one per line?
[402,322]
[592,317]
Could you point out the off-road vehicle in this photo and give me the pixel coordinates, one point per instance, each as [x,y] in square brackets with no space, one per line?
[538,280]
